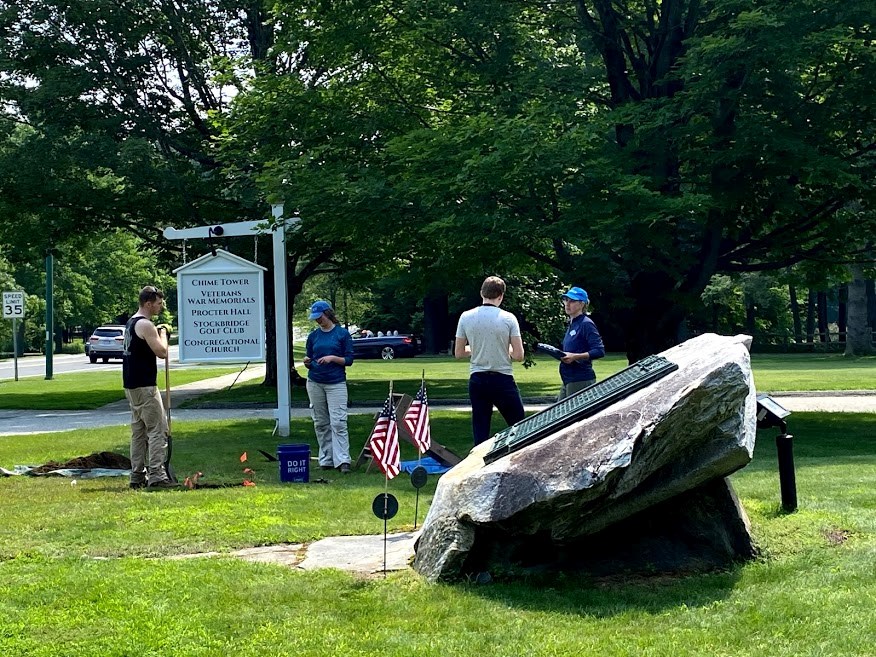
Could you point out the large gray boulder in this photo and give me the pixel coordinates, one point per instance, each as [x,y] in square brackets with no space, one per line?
[655,460]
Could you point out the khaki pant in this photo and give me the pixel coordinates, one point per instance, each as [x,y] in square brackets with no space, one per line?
[148,434]
[328,404]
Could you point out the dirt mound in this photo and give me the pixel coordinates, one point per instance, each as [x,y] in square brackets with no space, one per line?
[95,460]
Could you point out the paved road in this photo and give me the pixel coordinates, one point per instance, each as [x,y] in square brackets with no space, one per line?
[32,366]
[849,401]
[17,422]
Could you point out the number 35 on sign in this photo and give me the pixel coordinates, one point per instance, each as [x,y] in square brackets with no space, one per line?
[13,305]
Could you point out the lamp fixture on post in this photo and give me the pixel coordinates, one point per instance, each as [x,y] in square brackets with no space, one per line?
[772,414]
[218,231]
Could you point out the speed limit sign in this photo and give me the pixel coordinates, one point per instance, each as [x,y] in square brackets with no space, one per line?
[13,305]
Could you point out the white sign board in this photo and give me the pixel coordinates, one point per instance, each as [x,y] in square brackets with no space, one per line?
[221,309]
[13,305]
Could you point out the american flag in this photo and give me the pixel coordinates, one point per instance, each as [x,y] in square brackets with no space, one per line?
[384,440]
[417,420]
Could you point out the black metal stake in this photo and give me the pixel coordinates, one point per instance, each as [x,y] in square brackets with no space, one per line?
[384,547]
[787,478]
[385,506]
[419,476]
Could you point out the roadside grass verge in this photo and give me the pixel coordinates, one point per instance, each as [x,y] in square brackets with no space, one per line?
[86,390]
[812,592]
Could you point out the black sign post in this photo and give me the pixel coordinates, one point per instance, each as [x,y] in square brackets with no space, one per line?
[385,506]
[418,480]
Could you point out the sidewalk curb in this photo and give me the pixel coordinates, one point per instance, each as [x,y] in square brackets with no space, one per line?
[823,393]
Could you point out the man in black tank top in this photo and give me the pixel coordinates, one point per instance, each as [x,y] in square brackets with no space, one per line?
[143,344]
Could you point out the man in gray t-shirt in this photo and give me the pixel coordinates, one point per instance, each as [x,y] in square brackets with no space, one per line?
[491,338]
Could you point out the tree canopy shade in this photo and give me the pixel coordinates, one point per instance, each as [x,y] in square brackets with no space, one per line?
[633,147]
[673,141]
[111,101]
[107,118]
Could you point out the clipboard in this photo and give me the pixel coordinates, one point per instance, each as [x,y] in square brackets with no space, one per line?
[550,350]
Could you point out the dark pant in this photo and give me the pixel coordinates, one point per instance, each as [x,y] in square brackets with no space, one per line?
[488,389]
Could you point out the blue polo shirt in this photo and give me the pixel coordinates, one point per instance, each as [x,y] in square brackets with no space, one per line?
[337,342]
[581,336]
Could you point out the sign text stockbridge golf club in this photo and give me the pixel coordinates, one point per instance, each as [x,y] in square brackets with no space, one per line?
[221,309]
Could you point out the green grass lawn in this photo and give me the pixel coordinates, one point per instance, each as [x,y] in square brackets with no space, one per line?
[86,390]
[81,573]
[783,372]
[447,378]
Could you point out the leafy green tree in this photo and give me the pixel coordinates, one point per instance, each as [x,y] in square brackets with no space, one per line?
[637,148]
[97,280]
[106,118]
[640,147]
[7,284]
[714,137]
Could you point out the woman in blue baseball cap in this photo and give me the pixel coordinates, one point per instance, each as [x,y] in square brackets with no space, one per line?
[329,353]
[582,344]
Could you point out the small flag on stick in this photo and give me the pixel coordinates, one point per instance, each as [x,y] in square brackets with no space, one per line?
[417,420]
[384,440]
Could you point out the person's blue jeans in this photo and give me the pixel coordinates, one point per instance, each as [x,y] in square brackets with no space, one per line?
[489,389]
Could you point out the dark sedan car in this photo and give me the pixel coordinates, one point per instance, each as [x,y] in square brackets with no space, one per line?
[386,347]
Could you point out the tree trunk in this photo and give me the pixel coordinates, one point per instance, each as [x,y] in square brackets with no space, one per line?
[270,380]
[436,322]
[750,317]
[655,322]
[859,335]
[795,314]
[871,304]
[294,289]
[823,327]
[810,316]
[842,318]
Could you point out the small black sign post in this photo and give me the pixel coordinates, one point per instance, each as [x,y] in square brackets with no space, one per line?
[418,480]
[385,506]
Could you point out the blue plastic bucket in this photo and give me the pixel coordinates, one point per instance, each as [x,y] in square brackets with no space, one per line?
[294,463]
